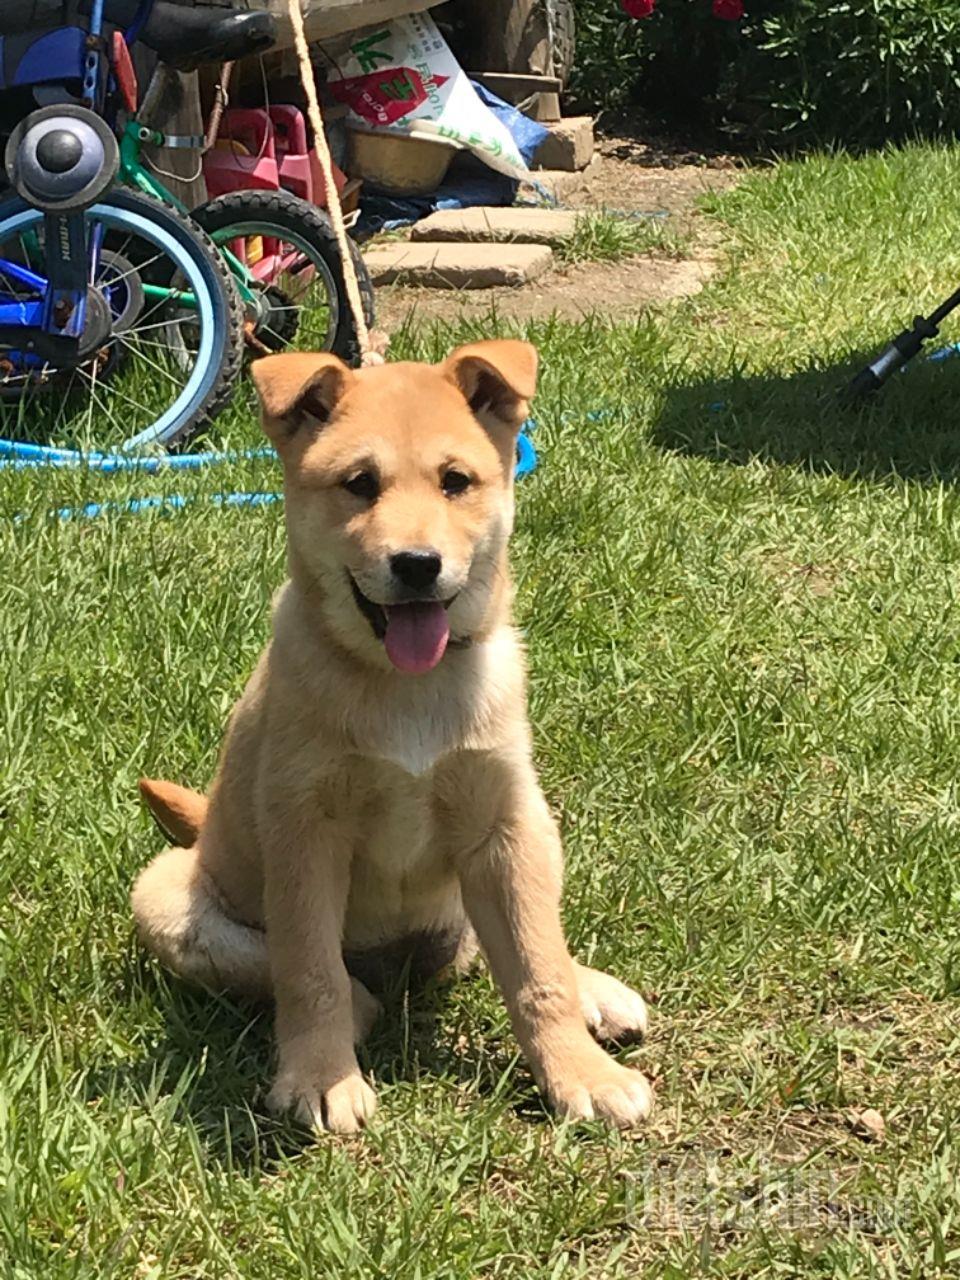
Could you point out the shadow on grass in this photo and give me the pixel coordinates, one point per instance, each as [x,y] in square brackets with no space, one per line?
[213,1061]
[908,429]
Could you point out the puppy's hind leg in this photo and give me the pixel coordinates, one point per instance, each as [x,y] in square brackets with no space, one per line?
[366,1010]
[182,920]
[468,951]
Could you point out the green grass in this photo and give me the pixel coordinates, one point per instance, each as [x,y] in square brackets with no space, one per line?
[601,236]
[742,613]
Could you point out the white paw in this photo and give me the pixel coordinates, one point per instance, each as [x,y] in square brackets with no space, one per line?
[343,1106]
[594,1087]
[612,1011]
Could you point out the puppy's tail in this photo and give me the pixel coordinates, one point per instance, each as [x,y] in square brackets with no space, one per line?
[179,812]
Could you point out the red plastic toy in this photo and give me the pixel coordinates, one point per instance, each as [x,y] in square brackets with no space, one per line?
[299,166]
[244,157]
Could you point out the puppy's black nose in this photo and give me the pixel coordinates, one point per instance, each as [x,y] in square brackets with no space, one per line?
[417,570]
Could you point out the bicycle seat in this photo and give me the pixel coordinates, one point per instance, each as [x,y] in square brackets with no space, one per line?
[186,38]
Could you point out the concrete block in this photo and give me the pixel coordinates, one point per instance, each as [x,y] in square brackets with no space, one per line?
[499,226]
[457,266]
[558,184]
[569,146]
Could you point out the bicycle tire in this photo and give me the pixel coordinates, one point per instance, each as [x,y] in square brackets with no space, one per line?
[291,216]
[209,389]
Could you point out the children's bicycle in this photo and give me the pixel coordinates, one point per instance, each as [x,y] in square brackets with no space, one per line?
[281,252]
[118,316]
[281,249]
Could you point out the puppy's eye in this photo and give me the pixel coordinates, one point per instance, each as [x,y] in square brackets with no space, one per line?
[363,485]
[454,482]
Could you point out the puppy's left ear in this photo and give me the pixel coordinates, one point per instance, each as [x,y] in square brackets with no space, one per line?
[299,391]
[497,377]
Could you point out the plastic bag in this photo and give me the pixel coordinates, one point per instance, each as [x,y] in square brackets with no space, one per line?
[401,77]
[528,135]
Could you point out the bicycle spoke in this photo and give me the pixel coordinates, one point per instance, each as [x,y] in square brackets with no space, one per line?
[122,251]
[144,342]
[136,270]
[147,328]
[154,310]
[93,394]
[165,373]
[113,390]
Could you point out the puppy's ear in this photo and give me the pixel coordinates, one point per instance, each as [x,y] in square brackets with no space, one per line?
[497,378]
[299,389]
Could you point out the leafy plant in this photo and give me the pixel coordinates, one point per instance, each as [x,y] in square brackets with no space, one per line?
[859,72]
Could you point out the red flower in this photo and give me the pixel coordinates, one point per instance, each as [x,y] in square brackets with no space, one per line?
[729,10]
[637,8]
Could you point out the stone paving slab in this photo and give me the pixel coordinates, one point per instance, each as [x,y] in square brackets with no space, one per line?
[557,183]
[457,266]
[498,225]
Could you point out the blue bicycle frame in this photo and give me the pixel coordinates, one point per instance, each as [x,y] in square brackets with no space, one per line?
[71,252]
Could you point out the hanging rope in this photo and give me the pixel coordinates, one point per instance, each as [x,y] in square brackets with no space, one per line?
[221,100]
[368,353]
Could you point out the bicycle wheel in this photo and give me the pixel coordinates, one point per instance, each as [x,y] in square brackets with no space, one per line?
[289,249]
[163,340]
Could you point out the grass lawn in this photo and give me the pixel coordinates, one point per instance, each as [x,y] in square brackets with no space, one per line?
[742,614]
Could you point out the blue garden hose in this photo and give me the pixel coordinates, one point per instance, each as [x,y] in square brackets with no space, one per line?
[20,456]
[173,502]
[526,451]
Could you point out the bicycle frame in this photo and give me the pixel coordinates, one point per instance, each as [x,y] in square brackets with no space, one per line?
[70,257]
[135,174]
[71,262]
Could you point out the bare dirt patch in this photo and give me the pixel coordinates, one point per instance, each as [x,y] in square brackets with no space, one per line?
[795,579]
[631,175]
[628,177]
[613,288]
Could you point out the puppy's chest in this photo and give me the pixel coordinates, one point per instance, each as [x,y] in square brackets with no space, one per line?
[401,882]
[414,745]
[416,734]
[397,834]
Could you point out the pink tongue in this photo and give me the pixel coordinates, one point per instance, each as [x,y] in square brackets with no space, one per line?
[417,636]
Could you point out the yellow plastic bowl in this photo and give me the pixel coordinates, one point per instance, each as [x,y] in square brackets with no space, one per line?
[398,163]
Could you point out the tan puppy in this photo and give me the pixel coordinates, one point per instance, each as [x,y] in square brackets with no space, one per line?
[376,790]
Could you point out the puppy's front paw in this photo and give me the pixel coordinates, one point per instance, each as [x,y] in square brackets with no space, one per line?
[586,1084]
[340,1106]
[612,1011]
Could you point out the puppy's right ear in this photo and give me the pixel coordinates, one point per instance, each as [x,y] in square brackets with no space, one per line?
[298,390]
